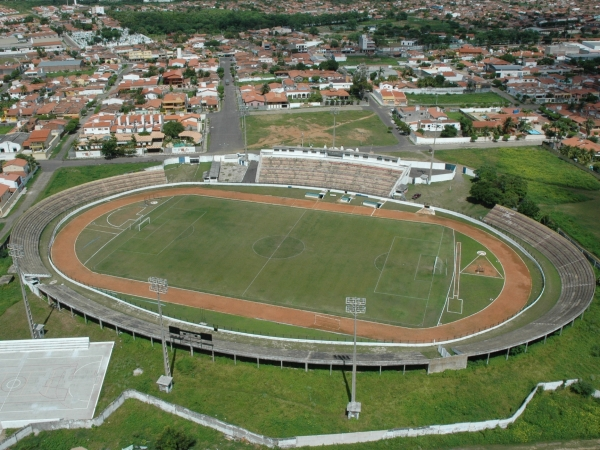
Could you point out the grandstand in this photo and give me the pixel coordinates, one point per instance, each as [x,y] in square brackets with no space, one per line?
[329,173]
[29,228]
[576,275]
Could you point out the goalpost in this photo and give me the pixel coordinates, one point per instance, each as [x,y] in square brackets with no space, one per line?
[141,224]
[438,267]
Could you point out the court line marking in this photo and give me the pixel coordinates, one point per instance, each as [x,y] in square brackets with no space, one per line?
[451,279]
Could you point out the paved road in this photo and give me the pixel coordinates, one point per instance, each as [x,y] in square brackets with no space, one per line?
[384,114]
[225,132]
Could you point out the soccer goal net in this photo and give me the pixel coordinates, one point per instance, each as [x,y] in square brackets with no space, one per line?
[438,267]
[143,223]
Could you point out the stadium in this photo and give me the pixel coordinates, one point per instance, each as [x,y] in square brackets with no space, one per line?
[288,247]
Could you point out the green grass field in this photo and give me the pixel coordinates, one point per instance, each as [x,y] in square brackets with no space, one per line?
[353,129]
[373,60]
[292,257]
[6,128]
[570,195]
[67,177]
[458,99]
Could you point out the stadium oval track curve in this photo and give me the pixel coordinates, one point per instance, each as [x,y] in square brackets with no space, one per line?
[511,300]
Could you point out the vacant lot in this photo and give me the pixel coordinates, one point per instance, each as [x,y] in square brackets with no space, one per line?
[486,98]
[570,195]
[353,129]
[356,60]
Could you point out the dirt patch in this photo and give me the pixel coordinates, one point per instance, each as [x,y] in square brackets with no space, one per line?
[481,266]
[312,133]
[512,299]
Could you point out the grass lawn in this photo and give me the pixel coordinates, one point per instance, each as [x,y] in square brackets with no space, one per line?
[260,399]
[67,177]
[456,115]
[5,128]
[186,172]
[68,73]
[458,99]
[353,129]
[368,60]
[288,256]
[570,195]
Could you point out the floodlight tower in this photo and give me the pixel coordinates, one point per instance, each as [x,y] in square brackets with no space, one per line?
[354,306]
[16,252]
[160,286]
[335,112]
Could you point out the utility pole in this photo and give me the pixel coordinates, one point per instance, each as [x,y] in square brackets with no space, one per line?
[160,286]
[244,110]
[16,252]
[354,306]
[432,155]
[335,112]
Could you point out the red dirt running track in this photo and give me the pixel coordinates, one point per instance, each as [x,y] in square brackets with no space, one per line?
[512,299]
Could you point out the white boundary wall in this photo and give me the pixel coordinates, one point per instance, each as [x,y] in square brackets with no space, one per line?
[240,433]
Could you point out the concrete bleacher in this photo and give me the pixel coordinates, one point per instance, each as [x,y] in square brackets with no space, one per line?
[29,228]
[362,178]
[578,281]
[44,345]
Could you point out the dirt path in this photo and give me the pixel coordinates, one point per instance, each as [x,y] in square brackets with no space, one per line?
[512,299]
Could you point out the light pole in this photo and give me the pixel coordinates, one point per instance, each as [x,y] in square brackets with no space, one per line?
[244,110]
[16,252]
[335,112]
[160,286]
[354,306]
[432,155]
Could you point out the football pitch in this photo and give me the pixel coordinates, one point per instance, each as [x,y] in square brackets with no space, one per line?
[294,257]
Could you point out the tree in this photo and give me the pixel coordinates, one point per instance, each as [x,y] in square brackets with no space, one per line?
[265,88]
[360,85]
[221,71]
[172,439]
[31,161]
[330,64]
[589,125]
[508,125]
[72,125]
[173,129]
[109,148]
[529,208]
[449,131]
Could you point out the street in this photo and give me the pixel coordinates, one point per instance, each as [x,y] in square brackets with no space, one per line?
[225,133]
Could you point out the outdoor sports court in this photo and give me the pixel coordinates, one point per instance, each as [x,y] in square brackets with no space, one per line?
[285,259]
[51,384]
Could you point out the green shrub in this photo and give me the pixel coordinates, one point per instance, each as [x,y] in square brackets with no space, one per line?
[171,439]
[583,388]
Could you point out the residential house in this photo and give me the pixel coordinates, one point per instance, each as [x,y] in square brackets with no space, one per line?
[175,101]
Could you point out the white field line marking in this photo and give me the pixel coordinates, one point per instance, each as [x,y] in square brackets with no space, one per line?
[274,251]
[417,269]
[101,231]
[432,276]
[107,242]
[11,388]
[383,268]
[124,229]
[452,278]
[186,228]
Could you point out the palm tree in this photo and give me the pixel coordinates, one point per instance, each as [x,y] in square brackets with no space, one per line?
[508,125]
[524,126]
[589,124]
[264,89]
